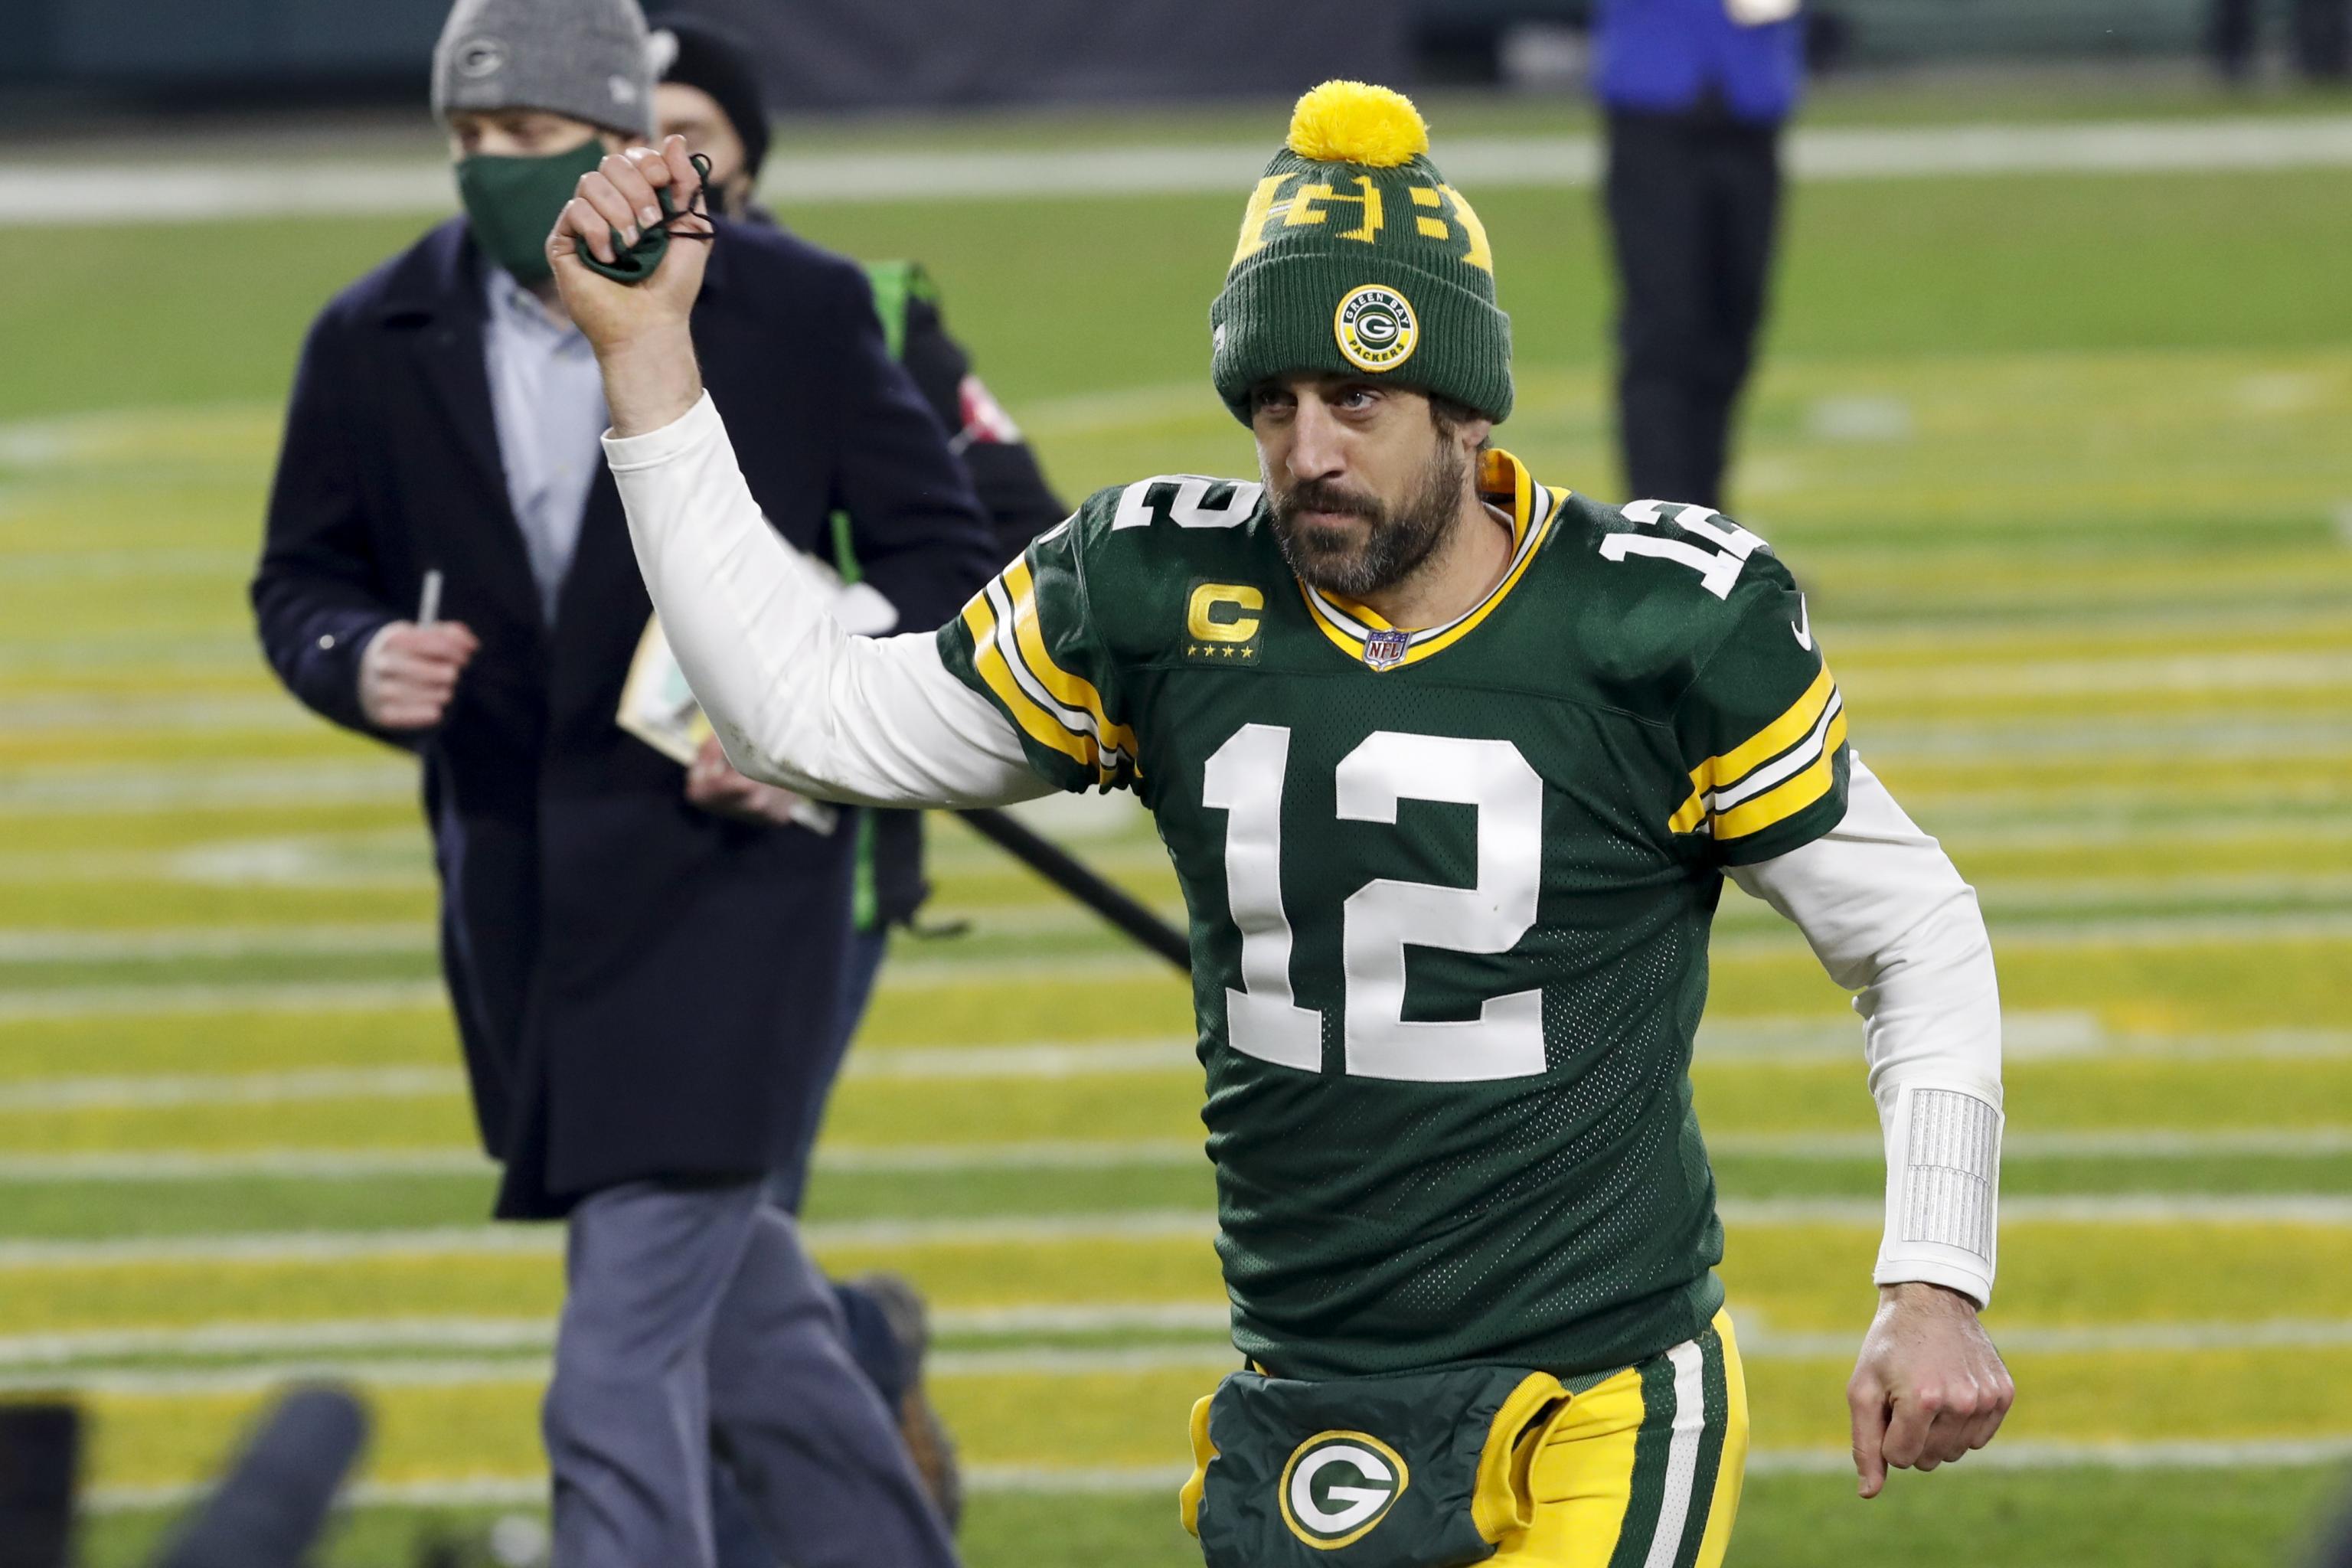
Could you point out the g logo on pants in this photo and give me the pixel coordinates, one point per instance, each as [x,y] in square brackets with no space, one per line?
[1338,1486]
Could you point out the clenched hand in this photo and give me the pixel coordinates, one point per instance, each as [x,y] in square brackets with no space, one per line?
[1928,1388]
[638,329]
[409,673]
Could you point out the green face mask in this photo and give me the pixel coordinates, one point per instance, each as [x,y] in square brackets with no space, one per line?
[512,203]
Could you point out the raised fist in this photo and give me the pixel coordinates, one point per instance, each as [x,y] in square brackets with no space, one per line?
[619,195]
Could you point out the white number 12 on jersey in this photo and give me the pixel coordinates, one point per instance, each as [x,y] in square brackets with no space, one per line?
[1383,917]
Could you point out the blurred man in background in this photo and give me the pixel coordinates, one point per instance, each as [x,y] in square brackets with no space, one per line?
[1696,92]
[640,960]
[709,92]
[2319,37]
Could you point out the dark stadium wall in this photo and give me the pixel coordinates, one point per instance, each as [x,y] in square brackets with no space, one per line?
[844,54]
[855,54]
[826,54]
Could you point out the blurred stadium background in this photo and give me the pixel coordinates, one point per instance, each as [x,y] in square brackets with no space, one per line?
[2056,423]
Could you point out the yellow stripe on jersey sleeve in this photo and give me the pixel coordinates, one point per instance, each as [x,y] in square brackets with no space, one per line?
[989,659]
[1070,690]
[1728,770]
[1790,795]
[1689,815]
[1725,771]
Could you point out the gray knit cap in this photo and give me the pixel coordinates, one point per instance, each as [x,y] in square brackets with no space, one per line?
[586,58]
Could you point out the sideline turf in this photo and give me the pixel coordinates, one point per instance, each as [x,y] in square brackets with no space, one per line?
[2062,461]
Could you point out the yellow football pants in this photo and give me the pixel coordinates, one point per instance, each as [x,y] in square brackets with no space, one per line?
[1641,1470]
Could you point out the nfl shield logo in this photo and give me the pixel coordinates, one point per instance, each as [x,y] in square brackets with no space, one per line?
[1384,649]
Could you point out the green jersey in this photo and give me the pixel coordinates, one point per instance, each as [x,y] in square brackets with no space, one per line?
[1450,892]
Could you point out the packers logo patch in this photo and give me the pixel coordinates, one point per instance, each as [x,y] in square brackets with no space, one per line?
[1338,1486]
[1376,328]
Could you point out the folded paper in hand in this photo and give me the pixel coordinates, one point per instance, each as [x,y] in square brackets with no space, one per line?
[659,707]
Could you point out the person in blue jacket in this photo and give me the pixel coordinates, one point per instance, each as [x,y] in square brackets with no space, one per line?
[1696,92]
[641,958]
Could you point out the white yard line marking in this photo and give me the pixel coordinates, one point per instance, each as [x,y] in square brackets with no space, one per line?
[289,1246]
[2110,1144]
[2024,828]
[1175,1153]
[372,859]
[62,1003]
[529,1361]
[467,1492]
[112,714]
[262,1377]
[946,972]
[1794,1042]
[2316,1209]
[170,943]
[993,1230]
[2221,1454]
[923,1159]
[1104,1317]
[2299,671]
[304,1349]
[80,790]
[222,1340]
[937,971]
[525,1491]
[2013,903]
[941,972]
[247,1340]
[1041,1061]
[2299,1209]
[2115,1338]
[163,1089]
[176,191]
[235,1165]
[2010,934]
[301,1345]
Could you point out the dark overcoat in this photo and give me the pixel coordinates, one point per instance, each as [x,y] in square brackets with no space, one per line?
[638,985]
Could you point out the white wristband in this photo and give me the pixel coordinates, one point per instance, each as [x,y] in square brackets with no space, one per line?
[1943,1188]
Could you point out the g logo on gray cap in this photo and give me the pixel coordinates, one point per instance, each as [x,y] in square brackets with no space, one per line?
[479,57]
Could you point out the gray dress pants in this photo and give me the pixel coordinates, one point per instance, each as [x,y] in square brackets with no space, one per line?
[694,1322]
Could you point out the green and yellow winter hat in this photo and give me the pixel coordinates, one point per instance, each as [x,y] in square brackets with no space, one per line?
[1356,255]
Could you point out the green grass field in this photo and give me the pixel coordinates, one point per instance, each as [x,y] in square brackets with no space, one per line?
[2066,464]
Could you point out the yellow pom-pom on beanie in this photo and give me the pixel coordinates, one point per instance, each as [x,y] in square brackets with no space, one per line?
[1356,123]
[1356,257]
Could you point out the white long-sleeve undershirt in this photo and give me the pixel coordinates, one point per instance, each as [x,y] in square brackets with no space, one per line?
[882,721]
[796,701]
[1887,912]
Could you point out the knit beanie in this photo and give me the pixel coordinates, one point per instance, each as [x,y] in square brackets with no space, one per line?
[1356,257]
[584,58]
[701,54]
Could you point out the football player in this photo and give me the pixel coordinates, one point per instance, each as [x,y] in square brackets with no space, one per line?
[1452,765]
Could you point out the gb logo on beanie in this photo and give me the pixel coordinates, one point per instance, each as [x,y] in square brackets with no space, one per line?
[1376,328]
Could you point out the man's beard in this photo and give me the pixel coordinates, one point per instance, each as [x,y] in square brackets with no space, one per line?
[1397,539]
